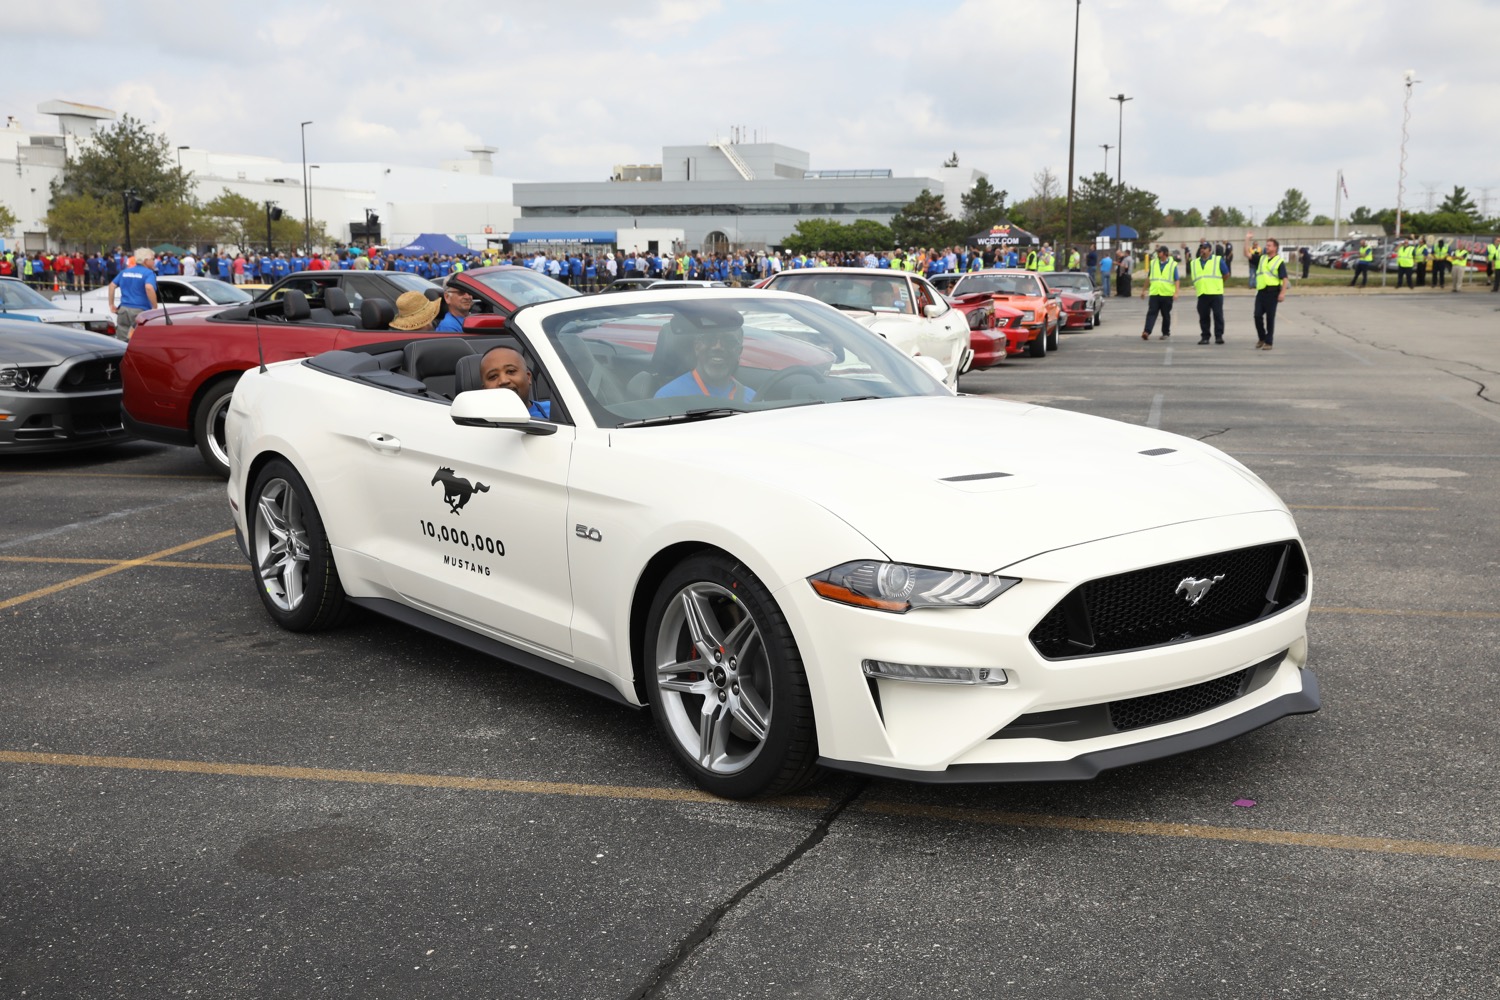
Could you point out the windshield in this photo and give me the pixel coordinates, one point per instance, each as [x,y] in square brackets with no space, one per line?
[522,286]
[999,284]
[643,363]
[15,295]
[220,293]
[875,292]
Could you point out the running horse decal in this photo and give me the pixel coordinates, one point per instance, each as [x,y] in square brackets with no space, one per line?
[456,491]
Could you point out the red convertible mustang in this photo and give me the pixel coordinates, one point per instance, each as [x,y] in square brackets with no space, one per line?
[179,372]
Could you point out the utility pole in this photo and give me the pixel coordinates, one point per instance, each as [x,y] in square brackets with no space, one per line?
[1119,164]
[1072,129]
[1106,147]
[1411,79]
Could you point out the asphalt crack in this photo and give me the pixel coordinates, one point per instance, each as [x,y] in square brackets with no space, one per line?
[661,977]
[1436,362]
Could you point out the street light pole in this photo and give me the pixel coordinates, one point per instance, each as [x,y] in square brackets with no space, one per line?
[1072,127]
[1106,147]
[1119,164]
[306,197]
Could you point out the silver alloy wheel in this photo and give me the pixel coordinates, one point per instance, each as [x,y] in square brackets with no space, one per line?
[712,678]
[214,422]
[282,555]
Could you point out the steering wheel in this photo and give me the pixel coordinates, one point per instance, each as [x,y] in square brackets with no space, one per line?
[786,375]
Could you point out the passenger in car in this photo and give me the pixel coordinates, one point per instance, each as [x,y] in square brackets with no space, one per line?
[717,343]
[415,313]
[504,368]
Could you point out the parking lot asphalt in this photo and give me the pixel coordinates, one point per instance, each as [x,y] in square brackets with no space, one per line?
[195,803]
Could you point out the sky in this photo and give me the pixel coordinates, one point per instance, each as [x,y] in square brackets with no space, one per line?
[1231,103]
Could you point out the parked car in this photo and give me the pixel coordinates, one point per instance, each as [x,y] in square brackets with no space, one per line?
[1041,308]
[1082,301]
[902,307]
[59,388]
[171,290]
[995,330]
[19,301]
[759,572]
[180,372]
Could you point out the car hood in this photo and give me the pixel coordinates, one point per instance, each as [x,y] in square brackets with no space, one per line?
[29,344]
[966,482]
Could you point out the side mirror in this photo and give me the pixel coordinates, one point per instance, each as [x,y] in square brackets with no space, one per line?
[496,408]
[478,324]
[190,300]
[933,311]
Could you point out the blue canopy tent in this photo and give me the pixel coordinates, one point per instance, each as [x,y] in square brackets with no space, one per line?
[430,243]
[1120,233]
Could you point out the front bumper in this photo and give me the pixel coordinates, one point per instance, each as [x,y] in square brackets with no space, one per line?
[59,421]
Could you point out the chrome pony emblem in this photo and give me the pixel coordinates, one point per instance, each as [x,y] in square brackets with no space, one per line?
[1197,589]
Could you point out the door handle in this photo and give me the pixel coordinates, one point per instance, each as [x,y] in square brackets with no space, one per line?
[386,444]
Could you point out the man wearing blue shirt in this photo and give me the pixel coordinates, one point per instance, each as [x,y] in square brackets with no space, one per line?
[718,338]
[136,286]
[504,368]
[459,301]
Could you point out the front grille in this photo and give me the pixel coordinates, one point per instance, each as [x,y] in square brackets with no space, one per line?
[91,376]
[1152,607]
[1152,709]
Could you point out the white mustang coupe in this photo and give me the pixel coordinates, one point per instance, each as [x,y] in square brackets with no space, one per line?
[780,533]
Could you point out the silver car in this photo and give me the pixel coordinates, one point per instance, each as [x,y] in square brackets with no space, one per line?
[59,388]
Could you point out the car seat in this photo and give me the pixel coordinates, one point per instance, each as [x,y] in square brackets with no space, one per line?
[335,310]
[671,357]
[434,361]
[602,383]
[294,306]
[376,314]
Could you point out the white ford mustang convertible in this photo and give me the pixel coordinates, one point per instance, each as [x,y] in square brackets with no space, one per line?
[755,517]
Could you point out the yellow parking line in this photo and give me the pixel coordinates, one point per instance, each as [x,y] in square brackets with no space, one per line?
[451,781]
[1192,831]
[175,564]
[110,475]
[1080,824]
[112,569]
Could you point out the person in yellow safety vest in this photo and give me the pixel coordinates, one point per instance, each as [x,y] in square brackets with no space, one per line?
[1161,277]
[1406,262]
[1460,258]
[1492,254]
[1047,262]
[1031,260]
[1074,260]
[1440,254]
[1208,271]
[1362,265]
[1271,279]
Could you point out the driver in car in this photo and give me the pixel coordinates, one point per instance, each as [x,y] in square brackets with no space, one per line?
[718,338]
[504,368]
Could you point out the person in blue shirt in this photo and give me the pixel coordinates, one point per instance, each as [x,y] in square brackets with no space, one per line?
[718,339]
[136,286]
[504,368]
[459,301]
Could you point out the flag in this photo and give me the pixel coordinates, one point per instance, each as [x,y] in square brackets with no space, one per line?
[1342,185]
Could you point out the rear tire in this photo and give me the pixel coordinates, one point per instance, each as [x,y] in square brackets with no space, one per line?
[208,425]
[726,684]
[292,559]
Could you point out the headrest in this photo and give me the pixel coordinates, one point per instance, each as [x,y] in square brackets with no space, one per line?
[335,301]
[431,356]
[376,314]
[433,294]
[469,374]
[294,306]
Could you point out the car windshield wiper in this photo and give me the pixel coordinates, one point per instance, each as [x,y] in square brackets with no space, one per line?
[856,399]
[682,418]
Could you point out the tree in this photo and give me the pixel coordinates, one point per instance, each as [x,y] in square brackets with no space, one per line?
[867,234]
[1458,202]
[925,222]
[1094,208]
[984,206]
[1193,217]
[1292,210]
[123,156]
[235,220]
[951,161]
[1362,216]
[8,220]
[1231,216]
[829,234]
[87,222]
[1044,184]
[1321,220]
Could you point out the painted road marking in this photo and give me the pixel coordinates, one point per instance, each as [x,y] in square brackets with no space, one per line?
[110,570]
[987,817]
[174,564]
[1314,506]
[103,518]
[113,475]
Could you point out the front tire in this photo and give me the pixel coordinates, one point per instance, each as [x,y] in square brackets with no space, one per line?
[293,561]
[726,684]
[208,426]
[1038,347]
[1052,337]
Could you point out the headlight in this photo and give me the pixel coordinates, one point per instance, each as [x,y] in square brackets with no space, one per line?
[1027,315]
[16,377]
[898,588]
